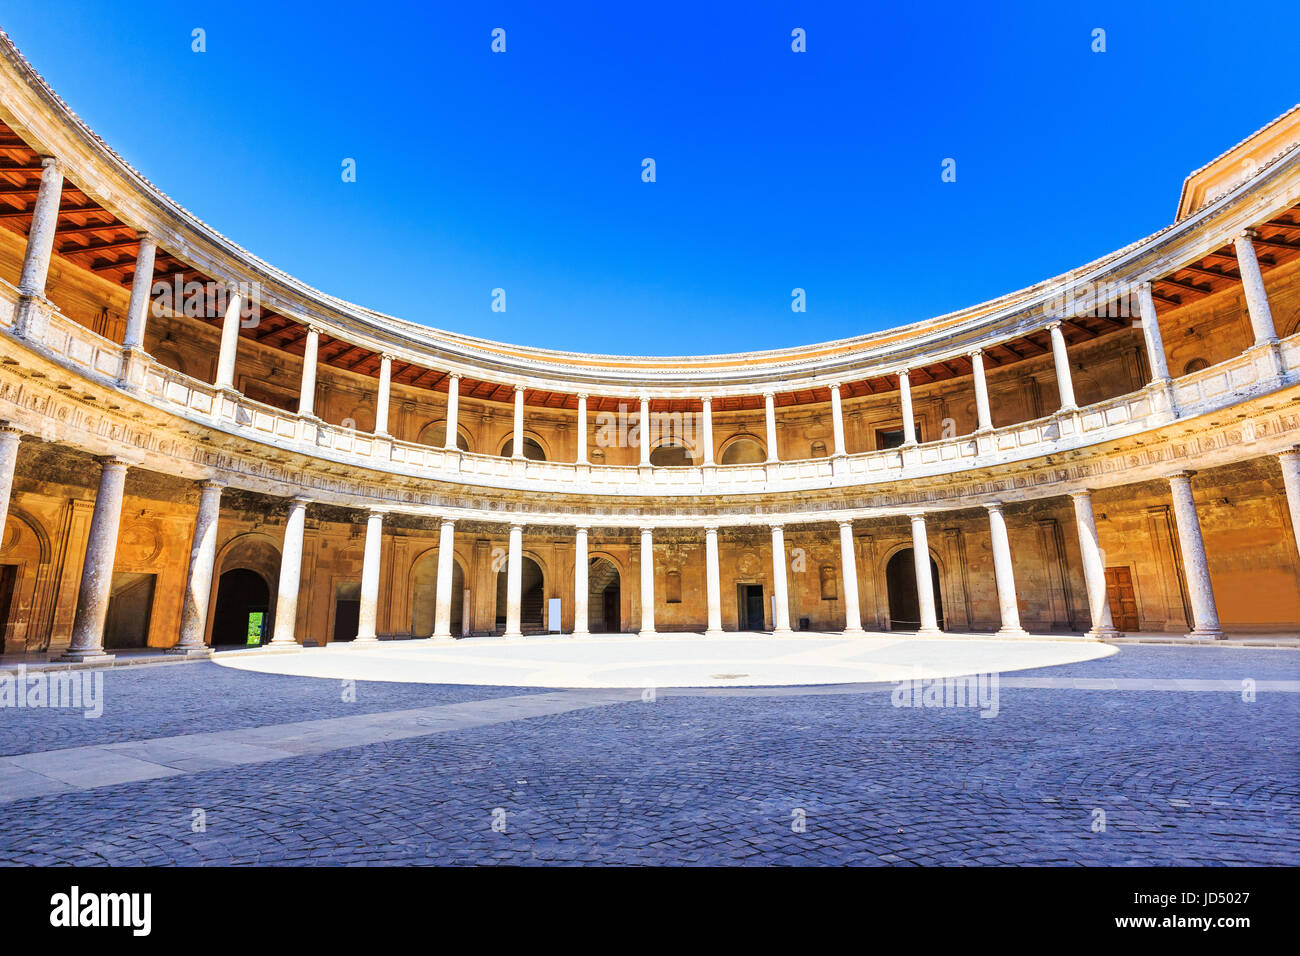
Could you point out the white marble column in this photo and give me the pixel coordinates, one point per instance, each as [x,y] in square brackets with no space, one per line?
[1004,573]
[384,395]
[9,438]
[581,584]
[40,238]
[198,579]
[137,311]
[1094,567]
[769,411]
[229,342]
[644,421]
[1205,614]
[1252,283]
[1061,360]
[984,416]
[97,571]
[647,583]
[514,582]
[837,422]
[1151,334]
[849,571]
[924,578]
[582,430]
[368,613]
[1289,460]
[286,592]
[519,423]
[442,588]
[453,413]
[780,588]
[706,406]
[712,583]
[307,393]
[905,404]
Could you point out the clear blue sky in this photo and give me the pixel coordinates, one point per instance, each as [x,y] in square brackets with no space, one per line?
[775,170]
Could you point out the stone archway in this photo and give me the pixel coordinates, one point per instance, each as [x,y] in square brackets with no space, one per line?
[243,610]
[604,596]
[424,594]
[743,450]
[904,603]
[532,594]
[258,554]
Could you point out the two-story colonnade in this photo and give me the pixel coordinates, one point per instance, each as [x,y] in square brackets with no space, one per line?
[195,446]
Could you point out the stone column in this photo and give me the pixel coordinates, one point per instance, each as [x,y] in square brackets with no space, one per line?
[384,397]
[198,579]
[582,430]
[286,593]
[706,405]
[849,570]
[837,422]
[519,423]
[924,579]
[769,410]
[1289,460]
[1094,567]
[1252,283]
[983,415]
[368,613]
[1205,615]
[45,221]
[780,590]
[442,589]
[307,394]
[712,583]
[1061,359]
[514,581]
[97,571]
[1151,334]
[229,342]
[453,413]
[647,583]
[644,421]
[9,438]
[905,401]
[1004,573]
[137,312]
[580,582]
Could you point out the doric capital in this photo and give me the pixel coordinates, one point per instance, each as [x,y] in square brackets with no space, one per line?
[834,387]
[647,529]
[1085,493]
[916,516]
[1248,234]
[993,506]
[51,162]
[847,523]
[387,357]
[903,372]
[299,501]
[1180,476]
[375,513]
[212,484]
[1053,326]
[975,353]
[113,461]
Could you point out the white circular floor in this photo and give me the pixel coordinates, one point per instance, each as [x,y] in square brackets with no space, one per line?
[669,661]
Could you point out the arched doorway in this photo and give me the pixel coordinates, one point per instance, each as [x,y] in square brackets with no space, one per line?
[743,451]
[904,604]
[531,594]
[243,612]
[671,456]
[424,594]
[604,597]
[532,449]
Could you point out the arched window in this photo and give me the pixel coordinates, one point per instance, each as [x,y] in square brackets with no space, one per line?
[1195,365]
[818,450]
[744,451]
[532,450]
[670,456]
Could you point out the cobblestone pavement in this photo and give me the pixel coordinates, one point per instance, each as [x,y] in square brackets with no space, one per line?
[824,776]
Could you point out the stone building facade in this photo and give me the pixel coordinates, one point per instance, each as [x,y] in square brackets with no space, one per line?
[197,449]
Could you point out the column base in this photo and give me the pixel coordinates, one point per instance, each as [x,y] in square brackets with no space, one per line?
[1206,634]
[578,634]
[440,637]
[513,635]
[1012,632]
[370,639]
[930,632]
[782,632]
[650,633]
[853,632]
[1103,633]
[198,653]
[93,656]
[715,633]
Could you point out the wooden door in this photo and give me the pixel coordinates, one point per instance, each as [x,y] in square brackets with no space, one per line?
[1123,601]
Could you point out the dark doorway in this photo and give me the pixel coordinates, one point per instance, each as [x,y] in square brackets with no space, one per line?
[604,597]
[531,595]
[749,606]
[1122,599]
[242,616]
[904,604]
[130,607]
[8,579]
[347,616]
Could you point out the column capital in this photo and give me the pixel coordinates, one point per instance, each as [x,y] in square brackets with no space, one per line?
[1185,475]
[769,395]
[776,525]
[993,506]
[643,398]
[582,528]
[975,353]
[846,523]
[1053,326]
[443,522]
[299,501]
[706,400]
[520,389]
[376,513]
[1287,454]
[516,526]
[313,328]
[212,484]
[1145,285]
[903,372]
[1249,234]
[386,356]
[112,461]
[54,162]
[1082,493]
[916,516]
[583,396]
[9,428]
[834,386]
[711,529]
[647,529]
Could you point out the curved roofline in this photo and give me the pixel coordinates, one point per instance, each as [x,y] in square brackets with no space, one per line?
[460,353]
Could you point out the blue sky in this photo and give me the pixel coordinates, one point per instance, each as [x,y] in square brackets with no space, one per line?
[775,170]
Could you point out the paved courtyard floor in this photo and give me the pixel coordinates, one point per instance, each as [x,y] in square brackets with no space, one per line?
[1152,755]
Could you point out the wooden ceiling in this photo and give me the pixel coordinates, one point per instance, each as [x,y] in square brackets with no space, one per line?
[94,239]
